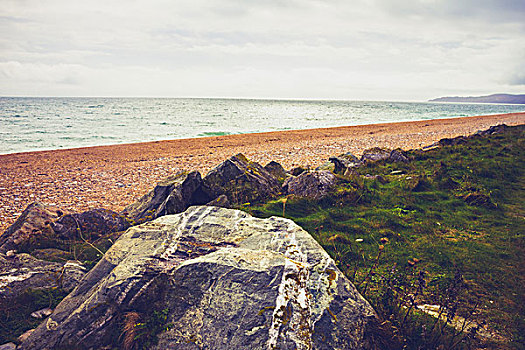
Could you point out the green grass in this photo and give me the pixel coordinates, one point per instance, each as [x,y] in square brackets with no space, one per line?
[455,208]
[15,317]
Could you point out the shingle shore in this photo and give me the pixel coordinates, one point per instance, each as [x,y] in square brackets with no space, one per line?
[114,176]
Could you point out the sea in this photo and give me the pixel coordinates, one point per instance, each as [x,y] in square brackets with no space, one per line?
[33,124]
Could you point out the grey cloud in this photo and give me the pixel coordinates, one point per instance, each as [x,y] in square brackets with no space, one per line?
[491,10]
[363,42]
[519,79]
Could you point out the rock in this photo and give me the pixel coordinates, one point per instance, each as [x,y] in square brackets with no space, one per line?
[296,171]
[398,155]
[375,154]
[343,162]
[89,225]
[42,313]
[34,221]
[316,184]
[8,346]
[241,180]
[25,335]
[496,129]
[326,166]
[23,272]
[222,279]
[221,201]
[276,170]
[171,195]
[452,142]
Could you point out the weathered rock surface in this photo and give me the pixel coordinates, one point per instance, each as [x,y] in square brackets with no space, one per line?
[22,272]
[172,195]
[34,221]
[458,140]
[375,154]
[226,280]
[496,129]
[326,166]
[298,170]
[221,201]
[8,346]
[276,170]
[344,161]
[315,184]
[453,142]
[398,155]
[241,180]
[90,224]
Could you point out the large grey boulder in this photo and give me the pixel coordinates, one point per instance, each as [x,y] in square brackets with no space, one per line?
[89,225]
[22,272]
[34,222]
[315,184]
[170,196]
[220,279]
[241,180]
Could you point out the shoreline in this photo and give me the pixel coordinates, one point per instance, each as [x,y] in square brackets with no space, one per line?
[263,133]
[79,179]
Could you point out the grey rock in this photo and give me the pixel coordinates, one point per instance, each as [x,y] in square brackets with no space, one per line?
[326,166]
[8,346]
[241,180]
[296,171]
[226,280]
[316,184]
[170,196]
[89,225]
[25,335]
[276,170]
[34,221]
[453,141]
[398,155]
[343,162]
[22,272]
[375,154]
[496,129]
[42,313]
[221,201]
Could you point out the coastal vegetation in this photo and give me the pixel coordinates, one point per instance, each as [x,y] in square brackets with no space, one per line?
[432,238]
[444,229]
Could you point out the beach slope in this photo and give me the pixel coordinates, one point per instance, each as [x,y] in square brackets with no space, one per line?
[114,176]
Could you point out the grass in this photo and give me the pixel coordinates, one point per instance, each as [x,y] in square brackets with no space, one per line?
[446,228]
[453,211]
[16,318]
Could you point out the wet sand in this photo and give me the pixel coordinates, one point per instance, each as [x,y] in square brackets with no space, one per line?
[114,176]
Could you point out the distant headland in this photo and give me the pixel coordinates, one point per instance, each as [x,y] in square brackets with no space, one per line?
[495,98]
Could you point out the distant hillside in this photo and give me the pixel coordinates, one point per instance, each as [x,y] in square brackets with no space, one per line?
[496,98]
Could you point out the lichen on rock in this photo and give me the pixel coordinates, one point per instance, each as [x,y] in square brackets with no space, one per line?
[225,280]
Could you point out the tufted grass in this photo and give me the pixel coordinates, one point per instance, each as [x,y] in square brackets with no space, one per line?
[425,213]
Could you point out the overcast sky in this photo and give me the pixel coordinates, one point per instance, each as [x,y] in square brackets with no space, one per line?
[334,49]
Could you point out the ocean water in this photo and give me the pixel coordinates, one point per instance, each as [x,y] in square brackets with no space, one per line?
[29,124]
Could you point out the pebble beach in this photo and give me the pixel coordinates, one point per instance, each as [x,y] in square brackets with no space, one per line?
[112,177]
